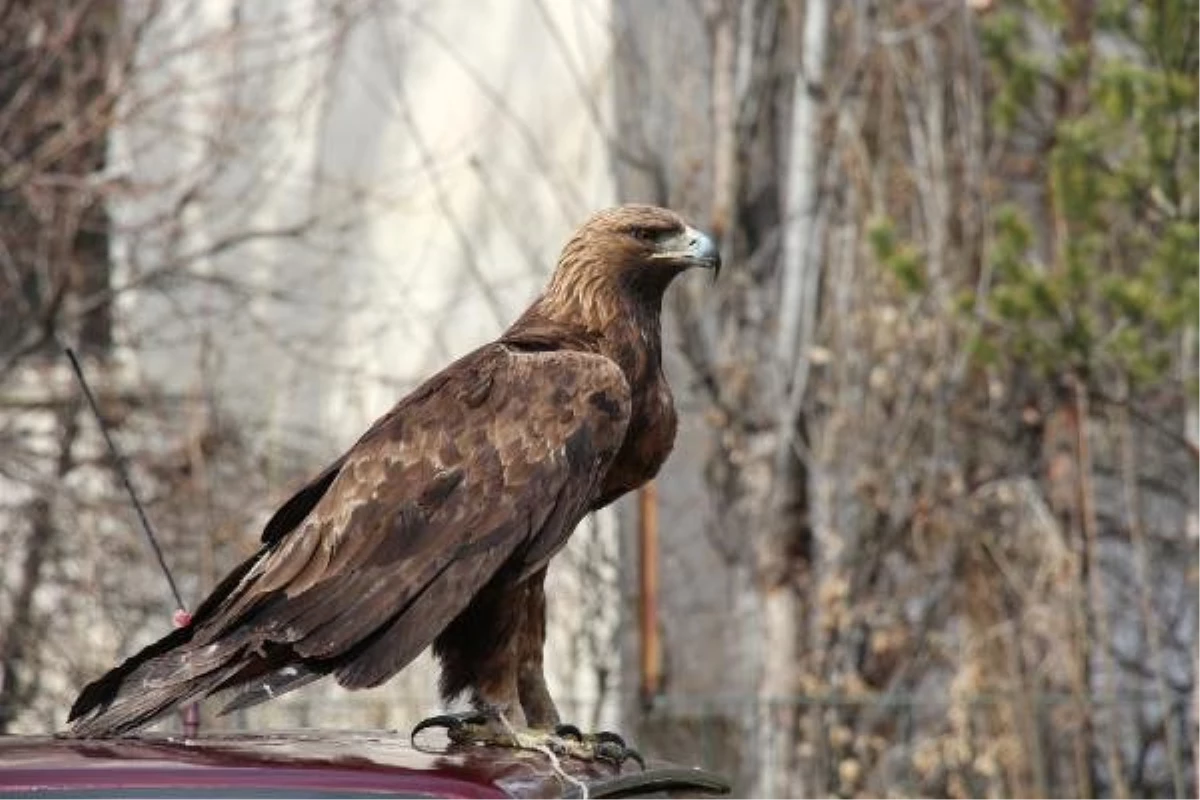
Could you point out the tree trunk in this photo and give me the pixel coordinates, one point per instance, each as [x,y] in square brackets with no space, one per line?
[784,555]
[784,559]
[1192,433]
[19,641]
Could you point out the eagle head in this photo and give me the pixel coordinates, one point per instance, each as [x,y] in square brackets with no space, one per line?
[628,253]
[639,238]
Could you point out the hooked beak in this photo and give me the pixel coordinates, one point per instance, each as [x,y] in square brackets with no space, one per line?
[692,246]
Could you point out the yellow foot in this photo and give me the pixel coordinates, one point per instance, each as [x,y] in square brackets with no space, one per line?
[601,745]
[565,740]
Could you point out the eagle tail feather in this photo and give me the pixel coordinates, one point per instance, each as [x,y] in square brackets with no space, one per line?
[275,684]
[151,683]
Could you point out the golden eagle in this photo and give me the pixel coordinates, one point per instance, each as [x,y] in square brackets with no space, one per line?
[437,525]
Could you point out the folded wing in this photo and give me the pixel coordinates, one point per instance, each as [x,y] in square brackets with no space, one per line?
[487,466]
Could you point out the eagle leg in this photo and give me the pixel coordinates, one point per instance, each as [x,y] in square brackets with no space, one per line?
[482,728]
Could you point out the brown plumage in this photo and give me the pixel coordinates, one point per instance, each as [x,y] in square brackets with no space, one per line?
[437,525]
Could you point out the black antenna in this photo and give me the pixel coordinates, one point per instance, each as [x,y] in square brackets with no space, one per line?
[124,473]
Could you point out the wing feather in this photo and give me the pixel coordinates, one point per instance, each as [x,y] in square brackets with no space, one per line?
[428,525]
[488,466]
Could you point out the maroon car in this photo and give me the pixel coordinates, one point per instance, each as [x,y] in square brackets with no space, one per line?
[312,764]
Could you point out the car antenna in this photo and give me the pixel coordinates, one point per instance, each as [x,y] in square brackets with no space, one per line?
[181,617]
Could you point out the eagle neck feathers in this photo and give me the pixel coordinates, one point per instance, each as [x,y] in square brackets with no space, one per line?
[620,320]
[594,313]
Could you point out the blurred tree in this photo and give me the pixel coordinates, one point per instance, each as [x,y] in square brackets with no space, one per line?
[55,111]
[69,544]
[1102,303]
[256,221]
[948,379]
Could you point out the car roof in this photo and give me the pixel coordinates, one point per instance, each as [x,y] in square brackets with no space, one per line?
[316,764]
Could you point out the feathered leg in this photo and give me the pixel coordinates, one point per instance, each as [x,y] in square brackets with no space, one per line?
[497,658]
[536,702]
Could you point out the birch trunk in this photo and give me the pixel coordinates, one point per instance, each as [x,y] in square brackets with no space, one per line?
[801,245]
[784,556]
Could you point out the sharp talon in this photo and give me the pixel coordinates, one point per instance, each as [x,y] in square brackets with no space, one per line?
[453,723]
[608,737]
[568,732]
[612,747]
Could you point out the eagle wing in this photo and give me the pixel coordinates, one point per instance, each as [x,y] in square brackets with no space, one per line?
[489,465]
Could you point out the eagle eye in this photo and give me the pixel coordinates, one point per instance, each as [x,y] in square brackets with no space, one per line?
[643,234]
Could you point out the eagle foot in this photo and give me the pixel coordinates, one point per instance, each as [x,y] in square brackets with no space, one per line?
[475,728]
[604,745]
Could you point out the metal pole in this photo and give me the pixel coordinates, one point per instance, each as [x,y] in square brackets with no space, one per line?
[650,647]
